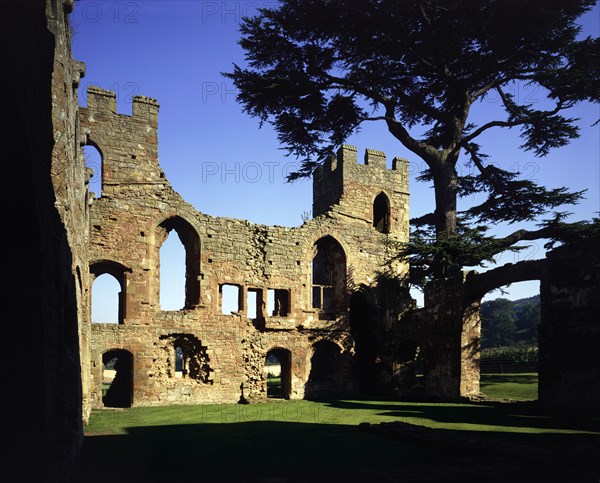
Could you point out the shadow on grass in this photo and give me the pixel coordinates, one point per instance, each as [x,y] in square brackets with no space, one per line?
[525,415]
[270,451]
[249,451]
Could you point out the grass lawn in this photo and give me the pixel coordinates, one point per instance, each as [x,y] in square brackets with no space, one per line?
[518,387]
[320,441]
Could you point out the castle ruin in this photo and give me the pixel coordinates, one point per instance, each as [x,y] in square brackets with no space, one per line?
[318,309]
[325,307]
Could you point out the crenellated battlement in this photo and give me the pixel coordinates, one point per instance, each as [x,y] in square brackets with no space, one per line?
[351,187]
[348,155]
[128,143]
[105,101]
[101,100]
[145,107]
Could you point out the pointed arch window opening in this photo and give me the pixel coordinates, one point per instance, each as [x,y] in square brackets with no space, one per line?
[328,276]
[381,213]
[93,159]
[184,266]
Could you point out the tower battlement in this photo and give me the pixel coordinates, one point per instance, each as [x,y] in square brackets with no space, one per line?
[128,142]
[352,187]
[348,155]
[105,101]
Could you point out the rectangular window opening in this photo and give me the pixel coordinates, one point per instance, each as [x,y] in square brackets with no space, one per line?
[254,303]
[278,302]
[229,296]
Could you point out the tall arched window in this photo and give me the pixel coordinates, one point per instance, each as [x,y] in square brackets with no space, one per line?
[328,275]
[172,267]
[381,213]
[172,273]
[108,296]
[93,160]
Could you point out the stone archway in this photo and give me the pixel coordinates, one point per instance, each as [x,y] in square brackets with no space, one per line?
[362,329]
[279,386]
[119,393]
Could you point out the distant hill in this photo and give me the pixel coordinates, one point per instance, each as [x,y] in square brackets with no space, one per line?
[534,300]
[510,322]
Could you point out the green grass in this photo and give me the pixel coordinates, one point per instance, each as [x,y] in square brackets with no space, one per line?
[274,387]
[518,387]
[477,417]
[472,417]
[310,440]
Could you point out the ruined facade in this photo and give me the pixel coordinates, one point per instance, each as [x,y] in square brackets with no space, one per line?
[325,307]
[303,281]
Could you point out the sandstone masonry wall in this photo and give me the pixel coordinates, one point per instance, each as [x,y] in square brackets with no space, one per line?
[138,208]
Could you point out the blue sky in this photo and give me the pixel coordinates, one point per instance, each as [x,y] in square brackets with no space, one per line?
[217,157]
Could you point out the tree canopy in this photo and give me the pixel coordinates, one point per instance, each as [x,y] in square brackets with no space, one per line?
[318,69]
[506,323]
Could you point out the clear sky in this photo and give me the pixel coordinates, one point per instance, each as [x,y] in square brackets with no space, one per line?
[216,156]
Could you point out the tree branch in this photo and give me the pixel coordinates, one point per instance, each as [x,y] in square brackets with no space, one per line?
[478,284]
[425,151]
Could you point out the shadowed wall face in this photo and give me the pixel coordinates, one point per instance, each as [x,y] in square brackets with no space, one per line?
[569,338]
[47,262]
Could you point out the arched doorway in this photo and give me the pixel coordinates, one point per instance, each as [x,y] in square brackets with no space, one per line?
[278,369]
[117,378]
[327,376]
[408,367]
[366,348]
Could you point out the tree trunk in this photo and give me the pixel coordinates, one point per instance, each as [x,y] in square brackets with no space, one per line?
[445,183]
[453,352]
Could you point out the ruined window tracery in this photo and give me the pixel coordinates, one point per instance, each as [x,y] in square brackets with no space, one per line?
[188,356]
[329,275]
[180,362]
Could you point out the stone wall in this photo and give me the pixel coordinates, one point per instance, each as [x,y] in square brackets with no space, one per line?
[138,209]
[447,336]
[569,363]
[46,258]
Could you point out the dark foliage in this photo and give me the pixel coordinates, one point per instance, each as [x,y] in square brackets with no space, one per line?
[317,70]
